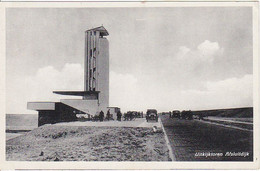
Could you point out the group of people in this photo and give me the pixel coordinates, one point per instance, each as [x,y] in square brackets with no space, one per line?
[130,115]
[109,116]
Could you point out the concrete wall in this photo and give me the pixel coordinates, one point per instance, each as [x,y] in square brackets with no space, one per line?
[41,105]
[87,106]
[90,64]
[103,74]
[96,67]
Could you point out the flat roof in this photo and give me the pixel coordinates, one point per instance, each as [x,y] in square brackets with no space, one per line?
[77,93]
[41,105]
[101,29]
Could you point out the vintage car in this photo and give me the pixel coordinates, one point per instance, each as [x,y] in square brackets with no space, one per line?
[151,114]
[175,114]
[186,115]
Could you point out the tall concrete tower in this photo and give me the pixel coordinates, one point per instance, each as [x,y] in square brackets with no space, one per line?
[95,96]
[96,69]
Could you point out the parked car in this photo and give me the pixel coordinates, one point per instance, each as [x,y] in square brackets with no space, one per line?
[151,114]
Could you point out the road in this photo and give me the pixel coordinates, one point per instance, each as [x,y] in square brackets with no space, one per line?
[193,140]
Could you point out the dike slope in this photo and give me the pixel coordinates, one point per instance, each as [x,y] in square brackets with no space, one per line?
[246,112]
[81,143]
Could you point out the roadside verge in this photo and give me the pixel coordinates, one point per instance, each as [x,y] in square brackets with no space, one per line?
[172,157]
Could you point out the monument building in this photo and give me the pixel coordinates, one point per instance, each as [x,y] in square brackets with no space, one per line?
[95,96]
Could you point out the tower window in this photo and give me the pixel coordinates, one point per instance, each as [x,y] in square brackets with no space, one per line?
[90,73]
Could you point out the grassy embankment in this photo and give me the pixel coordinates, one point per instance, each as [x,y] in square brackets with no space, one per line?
[246,112]
[238,117]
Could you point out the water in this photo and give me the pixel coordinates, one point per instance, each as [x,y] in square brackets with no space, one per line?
[18,124]
[21,121]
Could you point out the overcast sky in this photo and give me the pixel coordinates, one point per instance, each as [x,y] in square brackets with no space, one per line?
[163,58]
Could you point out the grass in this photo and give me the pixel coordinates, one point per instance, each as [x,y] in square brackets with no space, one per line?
[246,112]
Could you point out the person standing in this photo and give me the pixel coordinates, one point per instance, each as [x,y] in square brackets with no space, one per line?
[119,115]
[108,114]
[101,116]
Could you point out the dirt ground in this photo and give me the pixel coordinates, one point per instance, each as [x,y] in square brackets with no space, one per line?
[81,143]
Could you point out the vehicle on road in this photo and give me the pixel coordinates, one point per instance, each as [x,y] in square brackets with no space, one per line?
[186,115]
[175,114]
[151,115]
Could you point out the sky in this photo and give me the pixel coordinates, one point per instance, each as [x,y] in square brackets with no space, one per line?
[178,58]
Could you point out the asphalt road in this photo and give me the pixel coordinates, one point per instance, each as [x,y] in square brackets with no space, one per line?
[193,140]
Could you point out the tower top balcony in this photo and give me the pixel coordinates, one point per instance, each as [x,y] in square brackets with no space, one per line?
[101,29]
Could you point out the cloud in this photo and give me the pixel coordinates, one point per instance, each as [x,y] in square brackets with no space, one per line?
[188,68]
[208,48]
[39,86]
[184,80]
[205,53]
[231,92]
[183,50]
[129,93]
